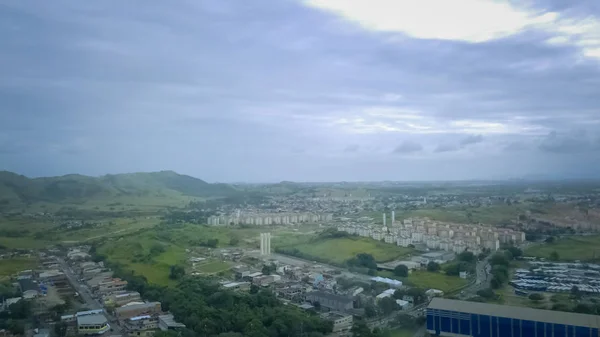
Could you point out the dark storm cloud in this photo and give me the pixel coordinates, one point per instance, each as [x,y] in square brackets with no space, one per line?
[472,139]
[100,87]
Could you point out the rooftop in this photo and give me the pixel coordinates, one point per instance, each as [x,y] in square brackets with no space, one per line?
[330,296]
[96,319]
[137,306]
[169,320]
[538,315]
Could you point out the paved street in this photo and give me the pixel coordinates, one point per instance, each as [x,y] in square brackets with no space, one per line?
[86,295]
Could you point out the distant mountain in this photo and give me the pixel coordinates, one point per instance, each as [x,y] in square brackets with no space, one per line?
[18,188]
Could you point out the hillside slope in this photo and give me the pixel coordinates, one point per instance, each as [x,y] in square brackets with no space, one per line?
[16,188]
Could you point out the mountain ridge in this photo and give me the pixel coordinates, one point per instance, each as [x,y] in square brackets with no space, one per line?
[16,188]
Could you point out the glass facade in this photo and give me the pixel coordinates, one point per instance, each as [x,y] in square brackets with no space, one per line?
[440,322]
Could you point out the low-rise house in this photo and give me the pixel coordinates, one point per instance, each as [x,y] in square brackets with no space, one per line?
[95,324]
[167,322]
[120,299]
[341,322]
[330,301]
[137,309]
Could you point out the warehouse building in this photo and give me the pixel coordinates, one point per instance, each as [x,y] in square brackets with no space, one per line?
[460,318]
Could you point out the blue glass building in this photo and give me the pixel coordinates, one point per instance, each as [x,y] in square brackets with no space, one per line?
[461,318]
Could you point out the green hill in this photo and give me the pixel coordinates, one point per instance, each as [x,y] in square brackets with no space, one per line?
[17,189]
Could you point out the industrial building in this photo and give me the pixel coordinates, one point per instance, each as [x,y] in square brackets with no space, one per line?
[460,318]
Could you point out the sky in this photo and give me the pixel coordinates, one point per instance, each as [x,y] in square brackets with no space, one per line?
[301,90]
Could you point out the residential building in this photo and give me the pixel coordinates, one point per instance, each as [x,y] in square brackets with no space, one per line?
[167,322]
[341,322]
[330,301]
[95,324]
[137,309]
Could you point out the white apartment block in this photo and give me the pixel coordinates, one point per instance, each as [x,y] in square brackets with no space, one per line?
[449,237]
[268,219]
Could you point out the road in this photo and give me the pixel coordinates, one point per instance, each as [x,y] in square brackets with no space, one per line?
[86,295]
[301,262]
[83,290]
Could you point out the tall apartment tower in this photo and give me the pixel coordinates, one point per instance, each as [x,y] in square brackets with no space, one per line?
[393,218]
[384,219]
[265,243]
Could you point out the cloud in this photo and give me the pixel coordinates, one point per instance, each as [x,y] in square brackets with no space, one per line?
[470,140]
[469,20]
[566,143]
[352,148]
[446,148]
[473,21]
[516,146]
[408,147]
[293,83]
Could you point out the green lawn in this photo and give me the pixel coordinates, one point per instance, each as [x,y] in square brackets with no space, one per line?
[339,250]
[401,332]
[12,266]
[135,253]
[486,214]
[586,248]
[212,267]
[429,280]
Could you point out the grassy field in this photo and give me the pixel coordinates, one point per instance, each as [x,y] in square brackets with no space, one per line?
[585,248]
[212,267]
[401,332]
[486,214]
[11,266]
[145,254]
[428,280]
[339,250]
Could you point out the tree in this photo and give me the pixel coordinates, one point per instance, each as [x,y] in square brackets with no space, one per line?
[370,311]
[452,269]
[417,294]
[317,305]
[515,251]
[234,241]
[550,239]
[495,283]
[268,269]
[467,256]
[433,267]
[401,270]
[499,258]
[60,329]
[176,272]
[387,305]
[536,297]
[487,293]
[554,256]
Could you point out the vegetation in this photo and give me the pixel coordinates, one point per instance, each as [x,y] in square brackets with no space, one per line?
[11,266]
[401,270]
[584,248]
[433,267]
[339,250]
